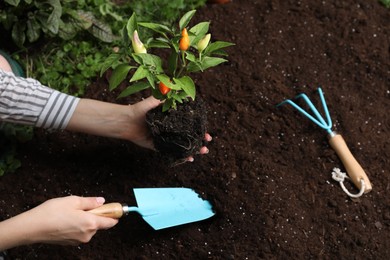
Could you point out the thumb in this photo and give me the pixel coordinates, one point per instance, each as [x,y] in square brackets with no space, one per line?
[106,222]
[148,103]
[88,203]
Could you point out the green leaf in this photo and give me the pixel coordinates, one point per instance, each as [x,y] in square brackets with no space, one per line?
[151,80]
[53,21]
[69,30]
[137,58]
[136,87]
[159,28]
[184,21]
[131,26]
[109,63]
[194,66]
[100,30]
[13,2]
[153,62]
[140,73]
[186,84]
[207,62]
[216,46]
[84,19]
[118,75]
[191,57]
[172,62]
[167,81]
[386,3]
[168,104]
[155,43]
[18,34]
[177,97]
[14,164]
[33,30]
[157,94]
[199,32]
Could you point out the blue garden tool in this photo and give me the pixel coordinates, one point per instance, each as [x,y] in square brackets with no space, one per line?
[162,207]
[336,141]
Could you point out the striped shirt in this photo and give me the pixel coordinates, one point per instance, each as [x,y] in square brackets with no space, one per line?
[26,101]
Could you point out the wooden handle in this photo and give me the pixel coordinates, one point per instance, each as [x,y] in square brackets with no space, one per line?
[111,210]
[353,168]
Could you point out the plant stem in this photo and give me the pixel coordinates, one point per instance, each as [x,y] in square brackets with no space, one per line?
[183,64]
[183,58]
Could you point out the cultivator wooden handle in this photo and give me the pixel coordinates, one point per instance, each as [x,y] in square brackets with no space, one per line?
[353,168]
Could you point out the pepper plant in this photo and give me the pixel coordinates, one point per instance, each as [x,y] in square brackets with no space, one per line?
[188,51]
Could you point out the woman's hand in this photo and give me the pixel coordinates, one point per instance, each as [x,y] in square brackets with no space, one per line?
[139,133]
[62,221]
[126,122]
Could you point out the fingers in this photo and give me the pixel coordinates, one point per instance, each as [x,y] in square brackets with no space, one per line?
[87,203]
[208,137]
[94,202]
[100,222]
[203,149]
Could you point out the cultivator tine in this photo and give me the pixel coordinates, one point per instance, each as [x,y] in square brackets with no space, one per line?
[318,119]
[326,111]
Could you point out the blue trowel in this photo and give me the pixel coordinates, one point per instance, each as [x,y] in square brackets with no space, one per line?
[162,207]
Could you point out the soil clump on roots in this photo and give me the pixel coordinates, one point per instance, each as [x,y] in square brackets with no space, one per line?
[178,133]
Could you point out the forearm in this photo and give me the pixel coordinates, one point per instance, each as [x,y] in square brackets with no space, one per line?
[16,231]
[112,120]
[101,118]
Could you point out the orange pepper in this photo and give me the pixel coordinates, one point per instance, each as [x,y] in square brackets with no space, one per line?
[184,43]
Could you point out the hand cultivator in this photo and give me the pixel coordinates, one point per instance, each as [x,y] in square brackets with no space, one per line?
[336,141]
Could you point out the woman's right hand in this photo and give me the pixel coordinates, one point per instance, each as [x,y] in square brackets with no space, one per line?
[63,221]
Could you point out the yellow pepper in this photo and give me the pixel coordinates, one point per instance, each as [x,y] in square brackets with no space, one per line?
[138,46]
[202,44]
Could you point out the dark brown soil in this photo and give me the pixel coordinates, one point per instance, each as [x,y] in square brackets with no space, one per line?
[178,133]
[268,173]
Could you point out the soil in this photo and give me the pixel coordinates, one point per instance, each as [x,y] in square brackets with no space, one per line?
[268,173]
[178,133]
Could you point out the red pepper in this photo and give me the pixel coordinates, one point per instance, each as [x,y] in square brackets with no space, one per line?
[163,88]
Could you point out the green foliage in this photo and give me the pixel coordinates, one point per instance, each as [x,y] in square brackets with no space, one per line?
[75,37]
[150,70]
[29,20]
[67,65]
[385,3]
[69,68]
[163,11]
[10,136]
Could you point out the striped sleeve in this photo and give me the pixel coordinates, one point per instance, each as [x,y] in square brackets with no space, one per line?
[28,102]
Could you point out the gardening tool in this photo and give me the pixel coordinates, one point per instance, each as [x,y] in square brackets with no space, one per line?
[336,141]
[162,207]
